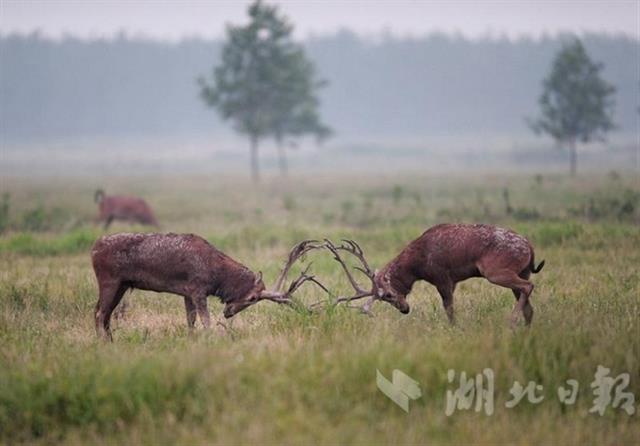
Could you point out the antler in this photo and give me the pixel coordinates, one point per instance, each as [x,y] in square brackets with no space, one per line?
[353,248]
[285,298]
[299,250]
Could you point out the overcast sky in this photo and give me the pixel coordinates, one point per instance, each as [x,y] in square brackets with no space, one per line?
[173,19]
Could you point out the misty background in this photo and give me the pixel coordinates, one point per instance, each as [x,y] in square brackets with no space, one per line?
[454,100]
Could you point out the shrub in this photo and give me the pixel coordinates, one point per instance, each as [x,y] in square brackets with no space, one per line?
[4,212]
[526,214]
[622,207]
[289,203]
[34,220]
[397,193]
[41,219]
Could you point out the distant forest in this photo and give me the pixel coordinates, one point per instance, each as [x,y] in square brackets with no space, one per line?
[388,87]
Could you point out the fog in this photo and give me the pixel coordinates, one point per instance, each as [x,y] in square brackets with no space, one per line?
[174,20]
[397,87]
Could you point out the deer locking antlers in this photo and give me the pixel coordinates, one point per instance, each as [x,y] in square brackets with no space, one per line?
[188,265]
[276,294]
[353,248]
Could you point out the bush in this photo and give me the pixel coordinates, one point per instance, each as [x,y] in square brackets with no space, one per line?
[40,219]
[622,207]
[35,220]
[4,212]
[289,203]
[526,214]
[397,193]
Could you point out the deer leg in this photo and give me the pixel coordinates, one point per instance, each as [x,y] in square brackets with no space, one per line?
[110,295]
[203,311]
[107,293]
[191,311]
[108,222]
[446,292]
[527,310]
[521,288]
[517,309]
[120,311]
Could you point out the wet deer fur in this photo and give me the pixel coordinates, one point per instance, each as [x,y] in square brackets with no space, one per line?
[447,254]
[183,264]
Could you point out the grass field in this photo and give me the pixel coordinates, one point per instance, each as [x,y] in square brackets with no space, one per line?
[285,376]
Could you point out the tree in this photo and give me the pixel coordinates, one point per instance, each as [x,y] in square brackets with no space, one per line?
[576,104]
[264,84]
[296,109]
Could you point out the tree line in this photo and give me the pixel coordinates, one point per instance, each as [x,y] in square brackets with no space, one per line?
[266,86]
[391,87]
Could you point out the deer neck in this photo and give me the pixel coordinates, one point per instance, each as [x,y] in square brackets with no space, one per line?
[400,274]
[234,283]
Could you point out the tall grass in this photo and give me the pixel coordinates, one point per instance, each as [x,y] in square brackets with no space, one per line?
[281,376]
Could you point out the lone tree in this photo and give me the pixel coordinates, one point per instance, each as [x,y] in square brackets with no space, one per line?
[264,83]
[296,111]
[576,104]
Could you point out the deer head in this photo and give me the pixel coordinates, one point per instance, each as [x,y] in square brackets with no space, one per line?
[98,195]
[235,306]
[383,290]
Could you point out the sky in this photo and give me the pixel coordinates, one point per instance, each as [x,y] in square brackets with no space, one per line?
[173,19]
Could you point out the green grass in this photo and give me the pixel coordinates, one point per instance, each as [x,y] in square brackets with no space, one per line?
[78,240]
[282,376]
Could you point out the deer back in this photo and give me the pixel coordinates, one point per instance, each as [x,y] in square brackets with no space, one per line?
[456,250]
[177,263]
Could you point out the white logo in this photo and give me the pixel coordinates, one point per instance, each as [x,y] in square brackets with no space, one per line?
[400,389]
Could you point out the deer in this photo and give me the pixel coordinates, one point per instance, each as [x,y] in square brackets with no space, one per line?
[117,207]
[443,256]
[185,265]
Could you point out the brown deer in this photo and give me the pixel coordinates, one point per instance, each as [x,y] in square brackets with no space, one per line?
[443,256]
[132,209]
[187,265]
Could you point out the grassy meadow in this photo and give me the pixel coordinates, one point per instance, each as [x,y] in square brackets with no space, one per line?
[281,376]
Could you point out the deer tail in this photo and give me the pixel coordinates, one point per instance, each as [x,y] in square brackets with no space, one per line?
[532,265]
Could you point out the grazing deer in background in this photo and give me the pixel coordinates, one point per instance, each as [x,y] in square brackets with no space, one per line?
[443,256]
[123,208]
[187,265]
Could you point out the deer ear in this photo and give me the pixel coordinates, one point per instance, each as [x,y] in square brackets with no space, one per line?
[258,277]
